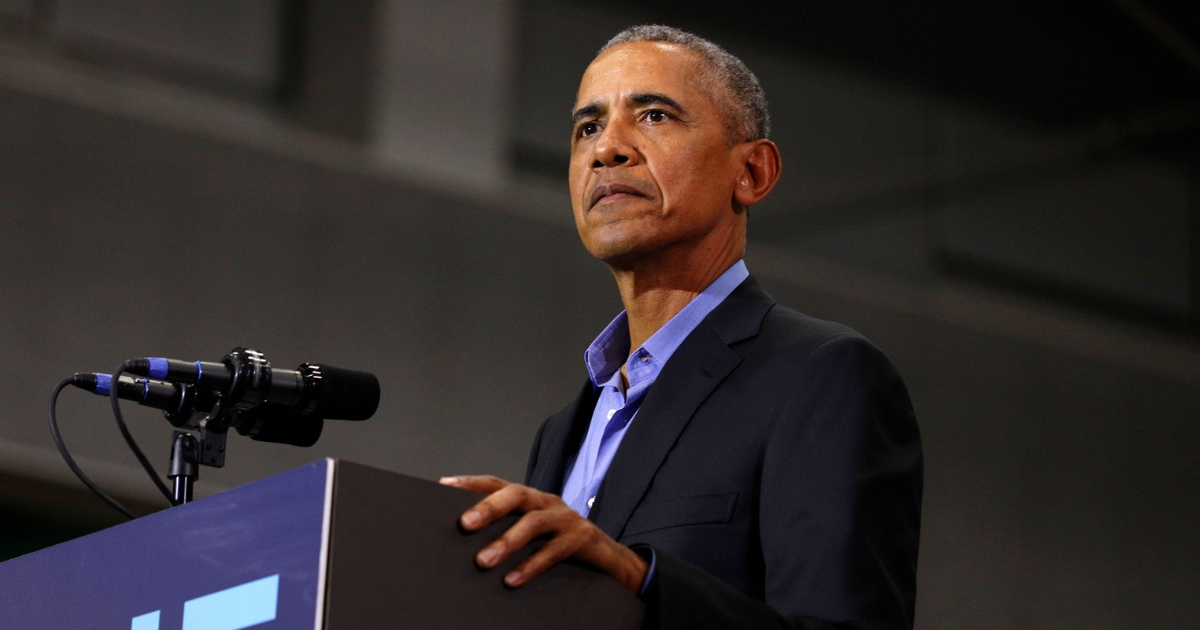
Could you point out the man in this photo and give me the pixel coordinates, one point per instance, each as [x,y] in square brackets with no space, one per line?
[733,462]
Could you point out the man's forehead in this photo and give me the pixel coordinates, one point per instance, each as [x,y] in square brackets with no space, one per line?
[639,67]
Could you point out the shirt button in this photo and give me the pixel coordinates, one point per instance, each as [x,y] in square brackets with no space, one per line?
[590,502]
[611,412]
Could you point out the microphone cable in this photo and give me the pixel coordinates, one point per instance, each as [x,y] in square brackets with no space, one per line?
[62,448]
[116,407]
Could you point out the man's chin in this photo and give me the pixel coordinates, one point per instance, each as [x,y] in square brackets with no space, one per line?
[621,254]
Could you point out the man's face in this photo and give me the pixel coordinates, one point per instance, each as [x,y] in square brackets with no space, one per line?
[651,164]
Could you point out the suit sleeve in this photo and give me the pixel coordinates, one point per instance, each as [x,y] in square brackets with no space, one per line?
[839,512]
[531,463]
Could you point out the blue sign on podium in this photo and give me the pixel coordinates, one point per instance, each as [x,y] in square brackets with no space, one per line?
[238,559]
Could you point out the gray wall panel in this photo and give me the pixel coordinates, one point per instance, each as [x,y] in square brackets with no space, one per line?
[1059,491]
[165,244]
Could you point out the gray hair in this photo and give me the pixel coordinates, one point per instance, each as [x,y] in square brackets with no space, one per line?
[744,102]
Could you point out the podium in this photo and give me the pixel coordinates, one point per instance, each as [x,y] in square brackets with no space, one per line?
[332,545]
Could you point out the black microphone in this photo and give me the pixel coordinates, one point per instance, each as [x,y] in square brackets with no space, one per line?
[177,401]
[156,394]
[245,380]
[268,422]
[272,422]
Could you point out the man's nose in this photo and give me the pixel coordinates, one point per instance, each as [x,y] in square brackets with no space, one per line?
[614,147]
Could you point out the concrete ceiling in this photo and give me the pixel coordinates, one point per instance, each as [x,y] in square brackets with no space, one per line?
[1050,62]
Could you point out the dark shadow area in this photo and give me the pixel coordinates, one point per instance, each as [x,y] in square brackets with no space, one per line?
[35,514]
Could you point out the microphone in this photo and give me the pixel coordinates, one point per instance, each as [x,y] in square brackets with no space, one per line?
[245,380]
[143,391]
[176,401]
[268,422]
[272,422]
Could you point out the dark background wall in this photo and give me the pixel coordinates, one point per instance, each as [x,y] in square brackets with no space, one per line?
[1004,200]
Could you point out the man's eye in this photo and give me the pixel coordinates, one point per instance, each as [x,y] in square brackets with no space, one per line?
[657,116]
[588,128]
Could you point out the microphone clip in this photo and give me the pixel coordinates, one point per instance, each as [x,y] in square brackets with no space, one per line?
[188,454]
[185,466]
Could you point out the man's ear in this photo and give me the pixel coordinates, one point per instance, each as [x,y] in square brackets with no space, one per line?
[760,170]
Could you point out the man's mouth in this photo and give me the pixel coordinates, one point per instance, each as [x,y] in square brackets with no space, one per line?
[614,190]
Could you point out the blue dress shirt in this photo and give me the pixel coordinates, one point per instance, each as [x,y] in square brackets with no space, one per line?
[617,407]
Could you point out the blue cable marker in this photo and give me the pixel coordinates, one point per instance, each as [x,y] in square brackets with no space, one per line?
[158,367]
[234,608]
[148,621]
[103,384]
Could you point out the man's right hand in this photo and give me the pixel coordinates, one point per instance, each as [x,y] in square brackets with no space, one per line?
[572,536]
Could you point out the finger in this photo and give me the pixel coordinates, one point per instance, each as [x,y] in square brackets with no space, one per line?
[528,527]
[500,503]
[553,552]
[486,484]
[473,519]
[589,544]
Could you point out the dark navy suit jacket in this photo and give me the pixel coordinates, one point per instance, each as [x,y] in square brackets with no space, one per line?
[774,467]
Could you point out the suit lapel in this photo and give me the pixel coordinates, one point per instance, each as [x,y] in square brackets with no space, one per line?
[698,366]
[561,439]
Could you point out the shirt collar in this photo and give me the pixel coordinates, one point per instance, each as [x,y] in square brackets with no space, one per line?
[606,354]
[610,350]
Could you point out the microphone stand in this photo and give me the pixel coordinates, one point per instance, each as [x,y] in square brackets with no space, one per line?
[188,453]
[185,466]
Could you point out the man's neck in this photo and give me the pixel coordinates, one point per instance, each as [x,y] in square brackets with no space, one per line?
[652,301]
[654,293]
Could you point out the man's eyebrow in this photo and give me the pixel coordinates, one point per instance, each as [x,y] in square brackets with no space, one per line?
[651,98]
[587,111]
[647,98]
